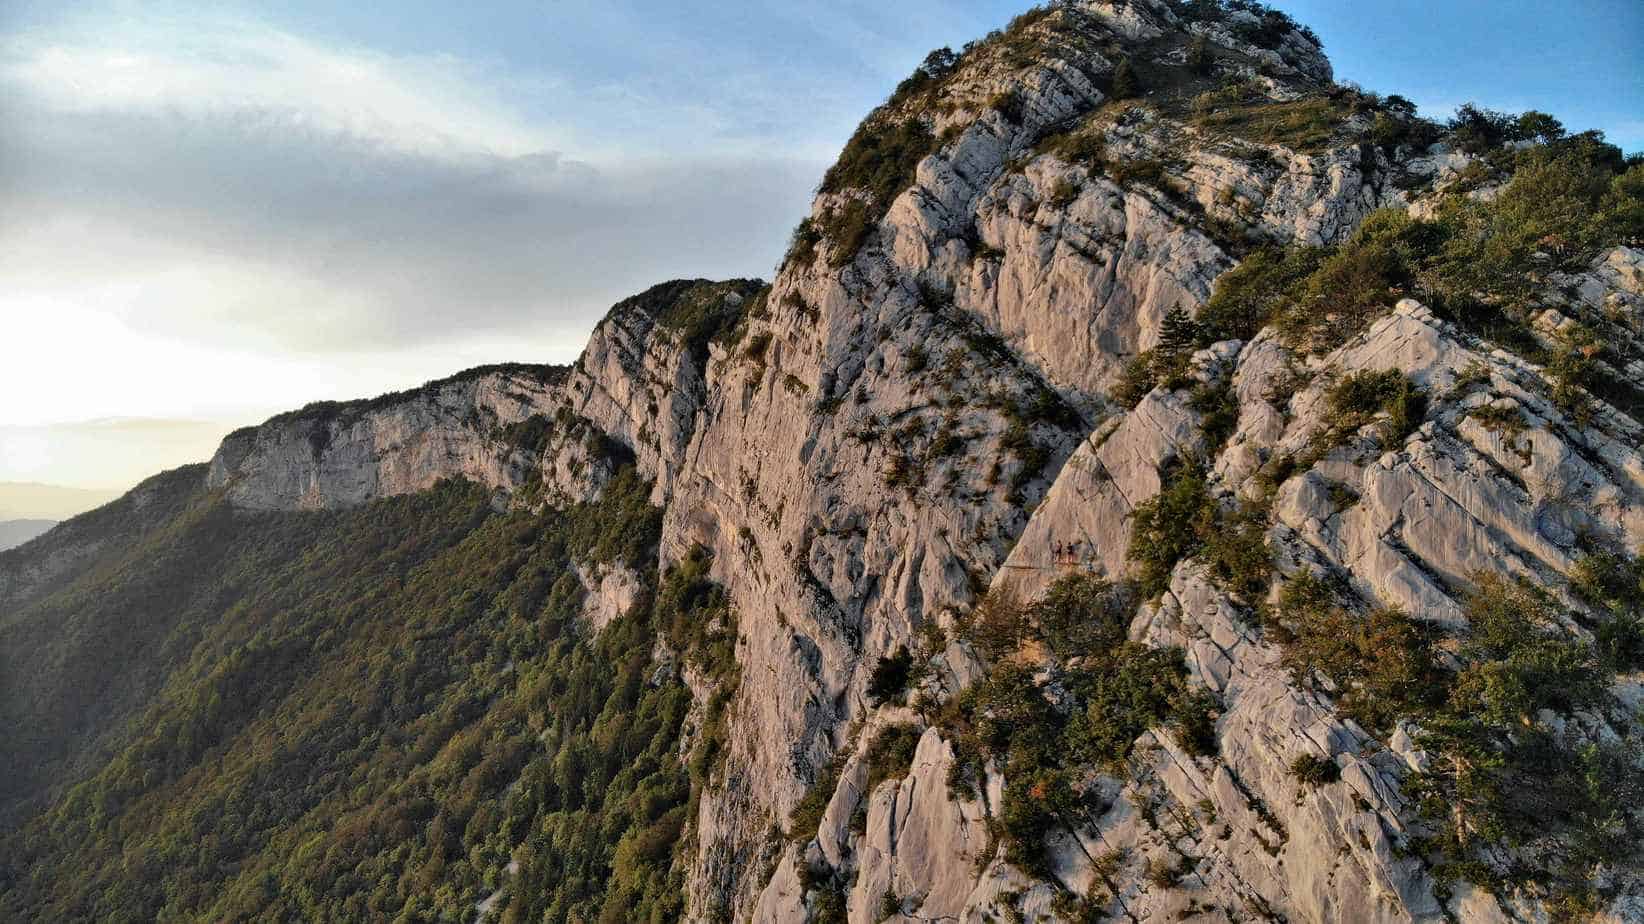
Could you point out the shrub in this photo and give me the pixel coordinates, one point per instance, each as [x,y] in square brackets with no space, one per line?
[879,159]
[1220,410]
[802,246]
[1539,126]
[1350,288]
[1314,770]
[1136,380]
[1238,555]
[1146,171]
[1383,663]
[890,676]
[1008,104]
[1521,665]
[1562,201]
[1169,527]
[846,228]
[1199,57]
[1311,124]
[1393,130]
[1270,28]
[1621,642]
[1165,872]
[997,624]
[1613,583]
[1086,149]
[1251,294]
[1362,395]
[806,818]
[1083,614]
[1112,691]
[1134,689]
[1499,419]
[1032,804]
[890,754]
[1477,130]
[758,345]
[936,68]
[1500,776]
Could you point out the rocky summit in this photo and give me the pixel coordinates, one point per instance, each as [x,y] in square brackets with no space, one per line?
[1160,483]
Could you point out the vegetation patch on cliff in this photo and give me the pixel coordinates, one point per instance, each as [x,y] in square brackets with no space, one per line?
[1480,262]
[1055,723]
[1511,763]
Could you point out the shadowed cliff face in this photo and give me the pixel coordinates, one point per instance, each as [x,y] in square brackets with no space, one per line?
[1130,292]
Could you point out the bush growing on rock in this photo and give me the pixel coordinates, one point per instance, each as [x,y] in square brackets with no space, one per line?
[997,624]
[1135,380]
[1169,527]
[1475,263]
[806,817]
[890,754]
[1083,614]
[1199,57]
[1314,770]
[1184,521]
[890,676]
[1502,774]
[1123,84]
[1382,663]
[1050,748]
[1501,771]
[1361,396]
[1251,294]
[1613,583]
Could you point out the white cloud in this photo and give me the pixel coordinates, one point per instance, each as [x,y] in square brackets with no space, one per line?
[228,219]
[429,105]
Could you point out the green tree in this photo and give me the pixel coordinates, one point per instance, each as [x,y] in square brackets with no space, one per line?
[1124,85]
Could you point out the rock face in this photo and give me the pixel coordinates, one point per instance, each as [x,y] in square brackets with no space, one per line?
[888,430]
[530,433]
[339,455]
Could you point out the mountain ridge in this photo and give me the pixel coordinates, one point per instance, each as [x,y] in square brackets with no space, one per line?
[1122,351]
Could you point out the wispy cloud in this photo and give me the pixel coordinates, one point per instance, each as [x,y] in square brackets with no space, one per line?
[209,68]
[247,187]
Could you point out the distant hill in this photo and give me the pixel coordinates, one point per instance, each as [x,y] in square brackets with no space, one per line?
[14,533]
[27,500]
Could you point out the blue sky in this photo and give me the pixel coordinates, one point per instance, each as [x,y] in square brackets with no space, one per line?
[220,210]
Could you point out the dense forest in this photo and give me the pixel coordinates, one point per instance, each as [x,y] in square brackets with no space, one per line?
[361,715]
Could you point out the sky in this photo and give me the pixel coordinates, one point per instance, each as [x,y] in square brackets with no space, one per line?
[211,212]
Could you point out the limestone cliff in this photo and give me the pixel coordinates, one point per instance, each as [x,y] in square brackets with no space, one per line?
[925,405]
[335,454]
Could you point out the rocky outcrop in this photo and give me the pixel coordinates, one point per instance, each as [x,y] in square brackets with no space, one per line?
[641,380]
[533,434]
[332,455]
[945,372]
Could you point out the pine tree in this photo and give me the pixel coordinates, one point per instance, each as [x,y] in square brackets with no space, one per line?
[1178,333]
[1124,80]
